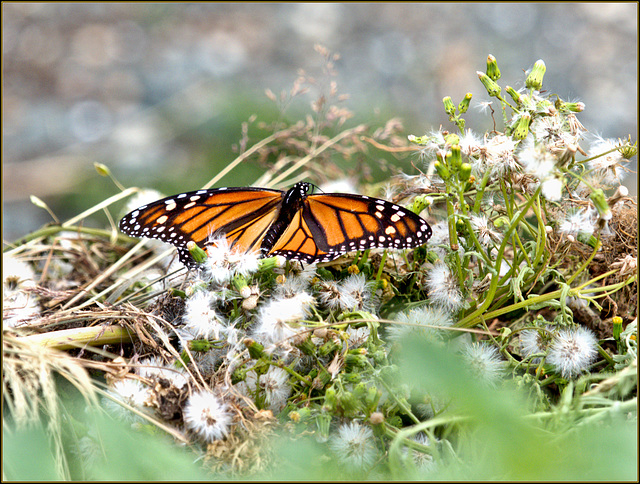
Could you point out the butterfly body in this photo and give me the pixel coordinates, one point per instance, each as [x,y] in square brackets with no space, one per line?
[293,224]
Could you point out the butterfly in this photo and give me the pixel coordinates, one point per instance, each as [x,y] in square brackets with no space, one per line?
[294,224]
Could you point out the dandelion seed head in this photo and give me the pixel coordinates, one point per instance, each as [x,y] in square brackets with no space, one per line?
[330,294]
[485,362]
[352,294]
[608,167]
[278,319]
[223,262]
[357,336]
[16,274]
[275,385]
[19,306]
[207,416]
[200,319]
[572,351]
[439,241]
[424,462]
[557,133]
[582,222]
[358,291]
[497,154]
[443,287]
[422,322]
[354,445]
[470,143]
[89,451]
[292,285]
[537,160]
[532,342]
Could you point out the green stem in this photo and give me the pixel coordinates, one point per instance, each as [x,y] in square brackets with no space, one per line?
[467,320]
[587,262]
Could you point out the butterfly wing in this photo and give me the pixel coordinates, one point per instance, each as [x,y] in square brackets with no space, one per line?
[243,215]
[299,241]
[329,225]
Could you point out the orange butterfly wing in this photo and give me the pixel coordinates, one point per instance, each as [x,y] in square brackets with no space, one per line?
[329,225]
[242,214]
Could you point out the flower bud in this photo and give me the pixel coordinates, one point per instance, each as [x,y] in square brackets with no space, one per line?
[449,108]
[564,106]
[418,140]
[452,139]
[321,380]
[492,68]
[515,95]
[465,171]
[269,263]
[240,283]
[373,397]
[464,104]
[521,130]
[420,203]
[501,222]
[329,347]
[256,350]
[617,327]
[587,239]
[358,361]
[600,202]
[454,157]
[349,403]
[102,169]
[492,88]
[198,254]
[294,416]
[534,79]
[330,400]
[200,345]
[376,418]
[628,150]
[442,170]
[306,346]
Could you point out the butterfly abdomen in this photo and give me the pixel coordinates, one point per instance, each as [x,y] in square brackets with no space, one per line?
[292,203]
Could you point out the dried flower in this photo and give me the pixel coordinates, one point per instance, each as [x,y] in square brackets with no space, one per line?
[131,392]
[19,305]
[486,235]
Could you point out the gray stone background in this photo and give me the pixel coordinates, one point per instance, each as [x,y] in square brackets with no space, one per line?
[149,89]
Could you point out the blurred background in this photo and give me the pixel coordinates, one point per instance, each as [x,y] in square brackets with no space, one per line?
[158,92]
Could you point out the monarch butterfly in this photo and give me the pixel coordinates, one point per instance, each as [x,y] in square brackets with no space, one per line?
[293,224]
